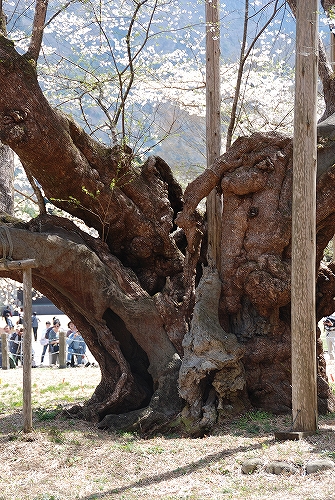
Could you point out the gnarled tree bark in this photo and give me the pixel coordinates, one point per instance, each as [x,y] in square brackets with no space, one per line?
[132,290]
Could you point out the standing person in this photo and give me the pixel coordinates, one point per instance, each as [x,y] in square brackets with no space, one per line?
[7,314]
[54,342]
[21,316]
[44,340]
[72,329]
[34,323]
[17,340]
[12,359]
[9,321]
[14,341]
[329,325]
[76,346]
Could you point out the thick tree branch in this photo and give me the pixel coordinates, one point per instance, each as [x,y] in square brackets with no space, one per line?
[2,21]
[61,252]
[89,180]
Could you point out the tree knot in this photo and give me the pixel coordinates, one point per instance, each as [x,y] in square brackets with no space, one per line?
[18,115]
[253,212]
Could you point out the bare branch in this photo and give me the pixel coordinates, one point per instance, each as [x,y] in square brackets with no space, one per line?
[124,87]
[59,11]
[132,57]
[25,195]
[37,192]
[38,29]
[243,58]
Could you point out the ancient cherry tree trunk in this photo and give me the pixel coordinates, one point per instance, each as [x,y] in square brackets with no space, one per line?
[132,291]
[256,180]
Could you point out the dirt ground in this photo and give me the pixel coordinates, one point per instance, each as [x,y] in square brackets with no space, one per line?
[66,458]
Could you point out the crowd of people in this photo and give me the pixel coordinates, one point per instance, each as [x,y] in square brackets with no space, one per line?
[49,340]
[76,346]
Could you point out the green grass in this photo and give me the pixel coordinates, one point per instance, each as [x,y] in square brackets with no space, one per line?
[50,391]
[56,436]
[55,388]
[254,422]
[43,414]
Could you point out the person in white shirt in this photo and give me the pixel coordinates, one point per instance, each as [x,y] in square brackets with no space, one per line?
[329,325]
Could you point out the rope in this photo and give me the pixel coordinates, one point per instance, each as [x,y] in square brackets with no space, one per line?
[10,242]
[6,240]
[4,248]
[293,422]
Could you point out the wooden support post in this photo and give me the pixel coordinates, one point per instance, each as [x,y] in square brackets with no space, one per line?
[304,395]
[26,266]
[332,62]
[27,351]
[62,349]
[213,126]
[4,351]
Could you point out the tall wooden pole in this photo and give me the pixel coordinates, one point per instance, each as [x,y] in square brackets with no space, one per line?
[304,395]
[332,61]
[213,124]
[27,351]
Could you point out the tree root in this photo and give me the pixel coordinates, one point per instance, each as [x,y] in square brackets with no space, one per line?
[164,406]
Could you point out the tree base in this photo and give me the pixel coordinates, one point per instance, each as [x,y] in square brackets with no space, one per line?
[164,406]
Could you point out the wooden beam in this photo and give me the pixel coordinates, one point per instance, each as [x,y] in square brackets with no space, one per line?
[12,265]
[304,395]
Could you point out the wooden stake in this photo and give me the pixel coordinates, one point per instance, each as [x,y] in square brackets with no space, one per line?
[26,265]
[4,348]
[27,351]
[62,349]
